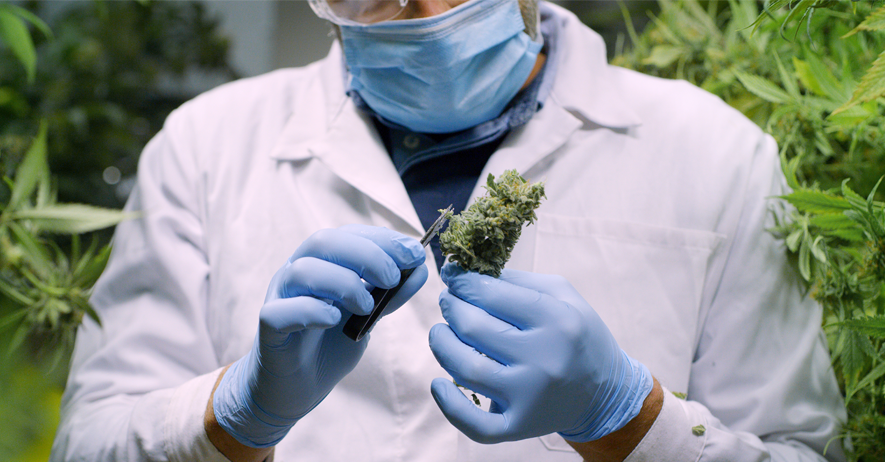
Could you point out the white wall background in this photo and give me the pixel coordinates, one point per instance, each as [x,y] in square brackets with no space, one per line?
[267,35]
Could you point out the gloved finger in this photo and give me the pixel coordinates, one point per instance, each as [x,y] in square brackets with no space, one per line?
[514,304]
[413,284]
[406,252]
[553,285]
[312,277]
[362,254]
[467,366]
[478,425]
[404,249]
[279,318]
[480,330]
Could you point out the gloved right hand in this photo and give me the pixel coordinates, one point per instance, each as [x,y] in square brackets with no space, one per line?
[299,353]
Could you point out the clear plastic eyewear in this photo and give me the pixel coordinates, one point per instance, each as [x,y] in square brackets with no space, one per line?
[357,12]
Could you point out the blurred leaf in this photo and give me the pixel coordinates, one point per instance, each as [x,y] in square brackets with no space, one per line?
[35,252]
[808,79]
[663,55]
[72,218]
[765,89]
[817,251]
[805,262]
[15,34]
[32,170]
[90,267]
[18,337]
[868,380]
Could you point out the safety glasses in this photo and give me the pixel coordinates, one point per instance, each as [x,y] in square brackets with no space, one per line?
[357,12]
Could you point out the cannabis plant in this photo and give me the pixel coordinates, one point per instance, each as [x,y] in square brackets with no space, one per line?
[811,73]
[482,237]
[43,289]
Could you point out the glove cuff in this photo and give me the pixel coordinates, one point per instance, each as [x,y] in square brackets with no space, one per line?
[622,406]
[242,418]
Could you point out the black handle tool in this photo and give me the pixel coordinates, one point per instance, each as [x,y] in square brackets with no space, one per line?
[357,326]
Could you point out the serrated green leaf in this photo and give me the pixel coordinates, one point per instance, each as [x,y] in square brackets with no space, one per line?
[871,86]
[852,197]
[875,21]
[32,168]
[853,355]
[14,33]
[873,326]
[832,221]
[851,235]
[808,200]
[763,88]
[72,218]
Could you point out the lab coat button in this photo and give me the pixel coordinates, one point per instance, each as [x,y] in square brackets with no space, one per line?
[411,141]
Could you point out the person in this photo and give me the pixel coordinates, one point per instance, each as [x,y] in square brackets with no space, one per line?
[648,274]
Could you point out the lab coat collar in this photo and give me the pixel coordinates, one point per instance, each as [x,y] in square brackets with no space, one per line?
[345,140]
[585,95]
[585,84]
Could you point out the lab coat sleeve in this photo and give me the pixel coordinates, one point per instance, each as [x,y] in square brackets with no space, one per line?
[139,383]
[761,384]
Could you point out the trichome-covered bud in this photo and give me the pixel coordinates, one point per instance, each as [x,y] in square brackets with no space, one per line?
[482,237]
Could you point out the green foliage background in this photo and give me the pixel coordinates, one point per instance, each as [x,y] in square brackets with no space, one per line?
[79,94]
[811,73]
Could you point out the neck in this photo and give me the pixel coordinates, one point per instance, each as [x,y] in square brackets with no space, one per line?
[539,64]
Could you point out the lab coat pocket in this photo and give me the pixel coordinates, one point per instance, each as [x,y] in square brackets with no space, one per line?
[645,281]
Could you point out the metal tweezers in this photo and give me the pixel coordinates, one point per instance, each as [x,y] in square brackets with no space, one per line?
[357,326]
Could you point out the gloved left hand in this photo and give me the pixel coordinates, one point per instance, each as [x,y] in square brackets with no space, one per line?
[543,356]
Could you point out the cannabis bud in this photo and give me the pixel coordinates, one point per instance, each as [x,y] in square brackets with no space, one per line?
[481,238]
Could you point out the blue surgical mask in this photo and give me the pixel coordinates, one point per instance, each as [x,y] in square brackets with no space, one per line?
[444,73]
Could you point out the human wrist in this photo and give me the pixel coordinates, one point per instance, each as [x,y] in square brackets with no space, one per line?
[222,440]
[616,446]
[238,413]
[618,405]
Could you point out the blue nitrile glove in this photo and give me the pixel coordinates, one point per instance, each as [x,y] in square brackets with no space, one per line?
[300,353]
[551,366]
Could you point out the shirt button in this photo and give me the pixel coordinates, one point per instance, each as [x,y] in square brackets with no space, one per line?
[411,141]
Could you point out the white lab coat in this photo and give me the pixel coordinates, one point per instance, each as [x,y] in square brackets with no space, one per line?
[658,197]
